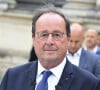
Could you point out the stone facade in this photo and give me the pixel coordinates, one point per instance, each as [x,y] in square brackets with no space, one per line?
[86,12]
[6,4]
[15,39]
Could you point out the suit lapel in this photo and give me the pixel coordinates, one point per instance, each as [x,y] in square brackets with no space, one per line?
[66,78]
[82,61]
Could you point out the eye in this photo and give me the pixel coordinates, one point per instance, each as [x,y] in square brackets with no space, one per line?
[57,34]
[44,35]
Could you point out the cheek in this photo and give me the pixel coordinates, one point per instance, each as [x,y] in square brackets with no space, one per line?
[63,45]
[38,44]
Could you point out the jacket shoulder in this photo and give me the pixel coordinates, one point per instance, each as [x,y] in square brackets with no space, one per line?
[23,68]
[84,75]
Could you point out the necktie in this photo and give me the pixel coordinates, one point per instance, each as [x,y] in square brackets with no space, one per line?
[43,84]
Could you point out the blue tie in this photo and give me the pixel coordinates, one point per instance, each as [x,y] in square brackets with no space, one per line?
[43,84]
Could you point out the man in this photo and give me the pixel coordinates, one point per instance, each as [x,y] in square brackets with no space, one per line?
[98,39]
[80,57]
[91,41]
[98,43]
[50,34]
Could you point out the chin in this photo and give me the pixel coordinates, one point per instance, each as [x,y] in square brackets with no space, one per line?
[50,57]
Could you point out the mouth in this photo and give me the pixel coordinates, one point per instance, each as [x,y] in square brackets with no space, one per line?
[49,51]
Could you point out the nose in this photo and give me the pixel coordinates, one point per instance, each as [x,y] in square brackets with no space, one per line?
[50,39]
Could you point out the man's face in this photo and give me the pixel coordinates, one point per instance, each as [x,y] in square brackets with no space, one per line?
[75,42]
[48,48]
[90,39]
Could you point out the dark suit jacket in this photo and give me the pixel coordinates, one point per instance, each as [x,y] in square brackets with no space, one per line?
[73,78]
[90,62]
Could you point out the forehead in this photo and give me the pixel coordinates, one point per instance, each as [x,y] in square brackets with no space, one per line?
[76,36]
[76,33]
[91,32]
[50,17]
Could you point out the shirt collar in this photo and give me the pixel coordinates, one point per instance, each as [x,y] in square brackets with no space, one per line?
[40,69]
[94,49]
[57,71]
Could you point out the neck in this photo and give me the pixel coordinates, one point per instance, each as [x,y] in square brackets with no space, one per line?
[50,65]
[90,48]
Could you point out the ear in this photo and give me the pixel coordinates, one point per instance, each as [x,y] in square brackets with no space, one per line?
[33,37]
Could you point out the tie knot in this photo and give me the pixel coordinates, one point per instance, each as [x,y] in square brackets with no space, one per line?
[46,74]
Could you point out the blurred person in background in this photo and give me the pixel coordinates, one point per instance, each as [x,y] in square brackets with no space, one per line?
[98,43]
[77,55]
[91,41]
[98,39]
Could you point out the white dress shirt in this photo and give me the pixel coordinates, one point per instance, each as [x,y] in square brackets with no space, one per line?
[54,78]
[74,59]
